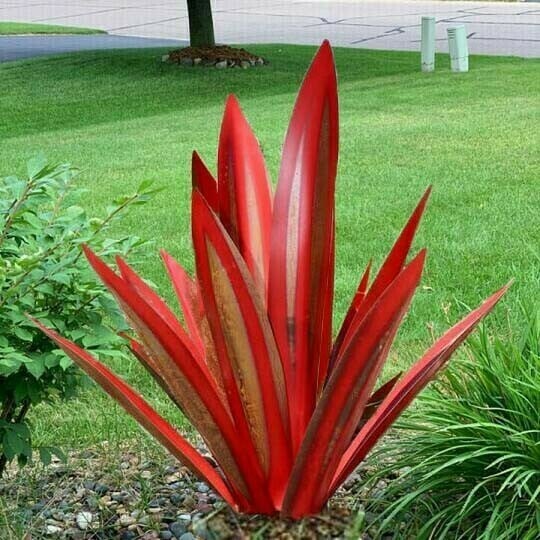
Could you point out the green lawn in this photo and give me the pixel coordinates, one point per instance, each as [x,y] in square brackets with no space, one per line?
[125,117]
[13,28]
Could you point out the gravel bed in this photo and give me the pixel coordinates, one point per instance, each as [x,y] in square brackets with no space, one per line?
[99,494]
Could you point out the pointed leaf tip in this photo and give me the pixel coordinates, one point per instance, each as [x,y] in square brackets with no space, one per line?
[245,195]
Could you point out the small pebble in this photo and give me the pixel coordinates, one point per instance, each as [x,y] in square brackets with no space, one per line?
[187,536]
[126,520]
[177,499]
[178,528]
[53,529]
[172,478]
[201,487]
[84,520]
[189,502]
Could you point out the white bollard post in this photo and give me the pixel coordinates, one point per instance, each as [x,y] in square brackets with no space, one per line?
[428,44]
[457,47]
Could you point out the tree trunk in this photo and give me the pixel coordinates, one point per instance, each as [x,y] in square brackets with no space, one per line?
[201,24]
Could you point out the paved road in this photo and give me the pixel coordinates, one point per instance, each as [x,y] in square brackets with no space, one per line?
[493,27]
[20,47]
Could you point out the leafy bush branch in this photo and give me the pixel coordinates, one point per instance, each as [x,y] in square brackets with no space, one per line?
[42,227]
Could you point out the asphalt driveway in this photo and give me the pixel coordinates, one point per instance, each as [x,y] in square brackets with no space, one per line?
[21,47]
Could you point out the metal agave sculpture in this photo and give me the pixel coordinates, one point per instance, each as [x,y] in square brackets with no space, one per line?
[287,412]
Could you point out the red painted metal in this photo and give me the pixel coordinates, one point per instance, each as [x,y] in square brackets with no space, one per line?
[287,414]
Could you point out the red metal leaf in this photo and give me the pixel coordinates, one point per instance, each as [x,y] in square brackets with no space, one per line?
[405,391]
[190,382]
[353,308]
[252,372]
[301,277]
[141,288]
[377,398]
[187,292]
[389,270]
[142,355]
[342,403]
[245,197]
[143,413]
[203,180]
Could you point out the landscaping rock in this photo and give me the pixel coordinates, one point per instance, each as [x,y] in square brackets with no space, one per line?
[53,530]
[189,502]
[178,528]
[126,520]
[201,487]
[221,56]
[84,520]
[177,499]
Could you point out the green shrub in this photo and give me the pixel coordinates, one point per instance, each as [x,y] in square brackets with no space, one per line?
[43,273]
[468,457]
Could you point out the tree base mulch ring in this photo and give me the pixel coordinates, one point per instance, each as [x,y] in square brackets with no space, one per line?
[220,56]
[107,493]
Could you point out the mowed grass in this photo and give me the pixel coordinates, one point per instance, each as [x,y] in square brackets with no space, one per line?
[124,117]
[9,28]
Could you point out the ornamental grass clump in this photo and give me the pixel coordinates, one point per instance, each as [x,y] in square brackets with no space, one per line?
[471,448]
[286,411]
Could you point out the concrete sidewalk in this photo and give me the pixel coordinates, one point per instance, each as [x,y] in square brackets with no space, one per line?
[493,27]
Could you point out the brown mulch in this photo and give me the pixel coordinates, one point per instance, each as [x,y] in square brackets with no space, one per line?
[214,55]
